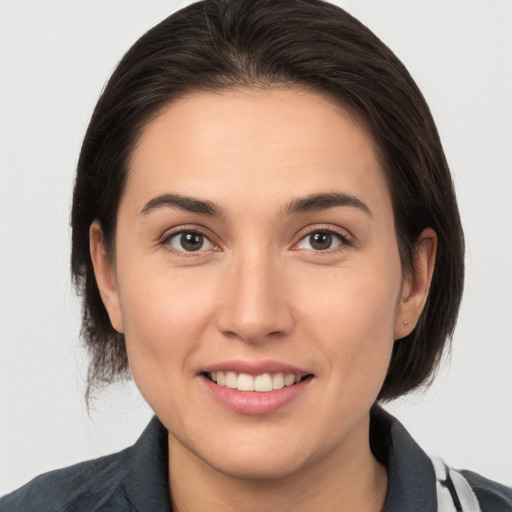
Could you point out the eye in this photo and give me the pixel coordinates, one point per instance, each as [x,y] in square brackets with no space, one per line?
[189,241]
[321,241]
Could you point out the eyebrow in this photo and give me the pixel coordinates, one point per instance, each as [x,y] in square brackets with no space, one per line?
[185,203]
[311,203]
[324,201]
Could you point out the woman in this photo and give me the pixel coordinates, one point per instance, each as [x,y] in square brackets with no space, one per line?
[265,232]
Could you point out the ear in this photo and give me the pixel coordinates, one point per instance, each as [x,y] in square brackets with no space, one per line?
[416,286]
[104,272]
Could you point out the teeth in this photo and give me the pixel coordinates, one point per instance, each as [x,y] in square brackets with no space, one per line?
[278,381]
[231,380]
[289,380]
[261,383]
[245,382]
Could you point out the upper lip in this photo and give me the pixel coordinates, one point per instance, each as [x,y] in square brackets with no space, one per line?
[255,367]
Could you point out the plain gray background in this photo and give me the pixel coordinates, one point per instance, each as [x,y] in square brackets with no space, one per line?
[55,57]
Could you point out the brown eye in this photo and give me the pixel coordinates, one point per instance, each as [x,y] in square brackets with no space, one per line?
[189,241]
[321,241]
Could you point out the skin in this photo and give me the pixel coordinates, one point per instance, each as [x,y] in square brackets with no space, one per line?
[258,289]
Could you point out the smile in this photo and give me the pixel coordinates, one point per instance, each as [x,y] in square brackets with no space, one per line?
[262,383]
[258,394]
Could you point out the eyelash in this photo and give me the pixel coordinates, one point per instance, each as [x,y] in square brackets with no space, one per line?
[166,241]
[343,238]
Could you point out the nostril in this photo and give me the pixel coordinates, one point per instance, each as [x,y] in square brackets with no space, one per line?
[256,328]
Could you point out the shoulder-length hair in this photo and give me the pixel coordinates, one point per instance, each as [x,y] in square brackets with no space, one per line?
[309,44]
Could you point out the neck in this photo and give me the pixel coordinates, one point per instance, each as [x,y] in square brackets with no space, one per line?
[345,479]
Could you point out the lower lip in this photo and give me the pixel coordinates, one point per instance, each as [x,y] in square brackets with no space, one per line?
[253,402]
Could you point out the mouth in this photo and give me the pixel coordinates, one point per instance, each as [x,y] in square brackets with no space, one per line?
[262,383]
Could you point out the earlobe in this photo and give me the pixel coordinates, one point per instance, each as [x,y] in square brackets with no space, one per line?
[416,286]
[104,273]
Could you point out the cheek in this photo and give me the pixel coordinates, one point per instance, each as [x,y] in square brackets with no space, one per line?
[359,300]
[165,314]
[351,312]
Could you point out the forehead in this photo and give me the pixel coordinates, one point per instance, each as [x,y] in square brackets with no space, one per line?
[254,143]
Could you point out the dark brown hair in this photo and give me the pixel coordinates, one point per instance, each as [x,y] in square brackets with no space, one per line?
[309,44]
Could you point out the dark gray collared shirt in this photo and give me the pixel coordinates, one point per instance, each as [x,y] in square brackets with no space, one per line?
[136,479]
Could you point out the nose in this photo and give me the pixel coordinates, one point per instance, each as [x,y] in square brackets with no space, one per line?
[255,306]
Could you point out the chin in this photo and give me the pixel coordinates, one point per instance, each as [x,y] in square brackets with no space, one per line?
[272,456]
[259,468]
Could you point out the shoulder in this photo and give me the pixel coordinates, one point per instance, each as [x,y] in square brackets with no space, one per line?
[95,485]
[492,496]
[419,482]
[467,491]
[133,479]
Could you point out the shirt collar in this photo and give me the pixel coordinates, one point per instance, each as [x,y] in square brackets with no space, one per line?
[410,474]
[411,477]
[148,481]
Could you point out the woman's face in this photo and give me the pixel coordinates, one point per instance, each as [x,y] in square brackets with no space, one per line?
[255,247]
